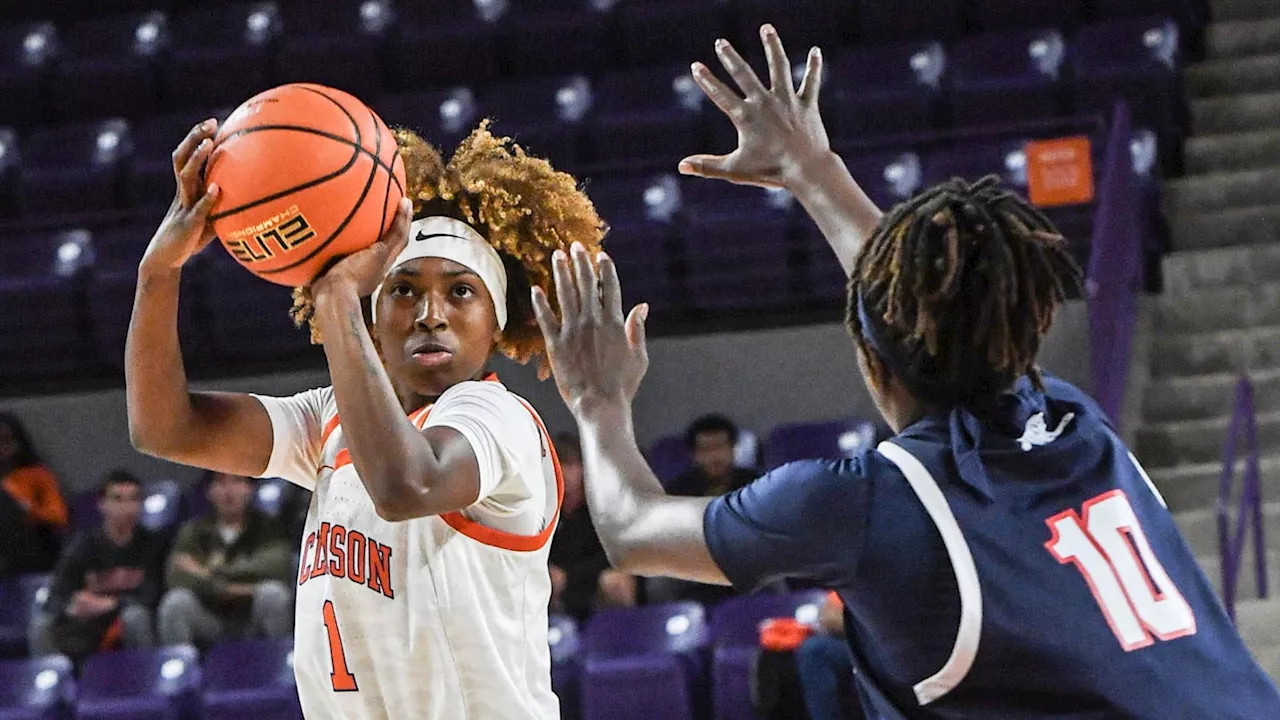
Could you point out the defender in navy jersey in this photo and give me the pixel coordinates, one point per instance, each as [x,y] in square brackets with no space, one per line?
[1003,555]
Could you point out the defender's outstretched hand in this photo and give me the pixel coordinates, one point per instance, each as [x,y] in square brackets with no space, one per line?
[598,356]
[780,130]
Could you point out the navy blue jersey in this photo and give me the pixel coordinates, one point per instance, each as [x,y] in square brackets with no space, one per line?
[1018,565]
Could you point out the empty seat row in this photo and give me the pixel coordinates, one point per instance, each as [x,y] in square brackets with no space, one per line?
[1113,55]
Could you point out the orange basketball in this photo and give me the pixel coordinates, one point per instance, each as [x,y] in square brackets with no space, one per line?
[308,174]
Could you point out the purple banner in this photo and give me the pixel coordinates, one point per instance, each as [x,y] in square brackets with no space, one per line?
[1114,275]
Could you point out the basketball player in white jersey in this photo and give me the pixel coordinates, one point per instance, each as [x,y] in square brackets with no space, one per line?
[423,583]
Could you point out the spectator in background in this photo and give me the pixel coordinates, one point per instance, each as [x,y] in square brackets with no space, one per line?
[711,439]
[825,665]
[581,578]
[106,584]
[228,573]
[33,515]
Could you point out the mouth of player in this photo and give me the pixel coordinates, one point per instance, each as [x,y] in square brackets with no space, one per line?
[431,354]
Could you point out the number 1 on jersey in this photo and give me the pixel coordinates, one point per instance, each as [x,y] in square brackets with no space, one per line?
[1132,588]
[343,680]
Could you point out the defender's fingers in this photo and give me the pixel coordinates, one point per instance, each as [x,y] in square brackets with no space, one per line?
[812,82]
[546,318]
[738,69]
[779,65]
[588,282]
[720,95]
[566,290]
[610,290]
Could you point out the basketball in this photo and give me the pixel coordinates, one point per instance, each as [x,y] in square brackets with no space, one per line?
[308,174]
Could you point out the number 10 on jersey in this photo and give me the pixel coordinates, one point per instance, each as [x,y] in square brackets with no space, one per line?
[1134,592]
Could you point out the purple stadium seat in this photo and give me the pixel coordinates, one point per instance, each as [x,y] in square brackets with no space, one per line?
[669,456]
[640,250]
[648,38]
[542,114]
[709,202]
[1136,60]
[881,21]
[9,172]
[36,688]
[1002,15]
[338,44]
[637,198]
[1187,13]
[248,318]
[1006,78]
[735,635]
[644,662]
[150,175]
[26,51]
[44,343]
[107,68]
[580,38]
[443,117]
[739,263]
[888,176]
[566,665]
[830,440]
[649,115]
[974,160]
[250,679]
[112,287]
[441,45]
[18,596]
[884,90]
[155,684]
[162,506]
[801,24]
[80,161]
[222,54]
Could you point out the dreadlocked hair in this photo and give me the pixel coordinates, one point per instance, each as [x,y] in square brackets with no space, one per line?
[523,206]
[966,279]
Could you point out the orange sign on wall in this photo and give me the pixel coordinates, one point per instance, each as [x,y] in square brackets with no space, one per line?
[1059,171]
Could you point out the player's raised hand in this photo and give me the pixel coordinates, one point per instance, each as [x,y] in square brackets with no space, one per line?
[779,128]
[185,229]
[598,357]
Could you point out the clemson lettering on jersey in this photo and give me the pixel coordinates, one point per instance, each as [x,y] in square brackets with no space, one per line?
[336,551]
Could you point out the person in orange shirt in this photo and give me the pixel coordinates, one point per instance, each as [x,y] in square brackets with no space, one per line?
[33,515]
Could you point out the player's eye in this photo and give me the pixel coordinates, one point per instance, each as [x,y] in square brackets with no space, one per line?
[401,290]
[463,290]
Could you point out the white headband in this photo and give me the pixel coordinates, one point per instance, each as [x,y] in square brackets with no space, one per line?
[445,237]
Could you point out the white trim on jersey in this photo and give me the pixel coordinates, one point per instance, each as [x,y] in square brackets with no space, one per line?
[1142,471]
[970,631]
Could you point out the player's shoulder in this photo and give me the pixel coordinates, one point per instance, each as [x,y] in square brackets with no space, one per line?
[485,401]
[818,481]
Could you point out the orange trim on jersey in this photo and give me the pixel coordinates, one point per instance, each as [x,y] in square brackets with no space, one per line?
[342,459]
[507,540]
[328,430]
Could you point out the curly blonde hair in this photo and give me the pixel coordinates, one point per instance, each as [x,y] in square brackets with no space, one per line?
[523,206]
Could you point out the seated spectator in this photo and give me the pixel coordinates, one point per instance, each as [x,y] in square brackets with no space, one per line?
[711,440]
[105,586]
[33,515]
[825,665]
[228,573]
[581,578]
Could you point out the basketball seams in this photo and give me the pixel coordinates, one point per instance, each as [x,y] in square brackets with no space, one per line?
[354,111]
[351,161]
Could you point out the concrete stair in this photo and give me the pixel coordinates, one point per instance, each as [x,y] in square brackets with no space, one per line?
[1201,397]
[1176,442]
[1188,271]
[1200,529]
[1225,351]
[1231,38]
[1243,9]
[1230,308]
[1234,151]
[1234,75]
[1220,190]
[1194,486]
[1251,112]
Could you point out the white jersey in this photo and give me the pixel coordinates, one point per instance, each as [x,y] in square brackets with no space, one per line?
[441,617]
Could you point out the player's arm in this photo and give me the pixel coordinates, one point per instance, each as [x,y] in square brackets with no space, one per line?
[598,361]
[219,431]
[408,473]
[783,143]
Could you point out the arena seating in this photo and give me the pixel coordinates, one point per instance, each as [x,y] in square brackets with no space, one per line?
[97,95]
